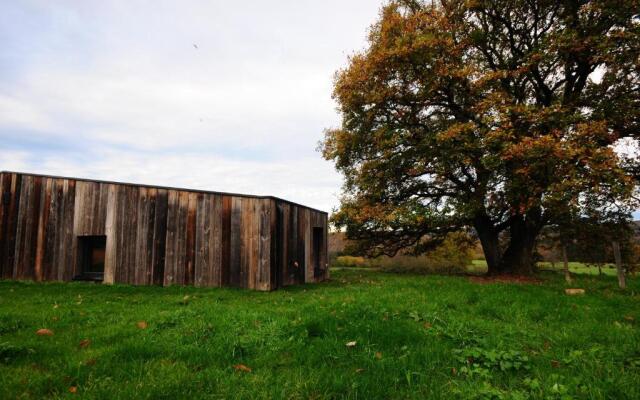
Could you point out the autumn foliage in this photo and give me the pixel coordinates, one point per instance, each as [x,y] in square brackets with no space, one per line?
[501,116]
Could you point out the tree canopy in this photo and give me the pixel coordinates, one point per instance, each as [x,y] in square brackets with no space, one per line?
[502,116]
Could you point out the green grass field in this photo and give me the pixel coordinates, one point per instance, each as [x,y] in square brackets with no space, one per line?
[480,267]
[409,337]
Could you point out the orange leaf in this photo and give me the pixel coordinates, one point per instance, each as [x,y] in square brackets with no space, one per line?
[73,389]
[84,343]
[378,355]
[142,324]
[242,367]
[44,332]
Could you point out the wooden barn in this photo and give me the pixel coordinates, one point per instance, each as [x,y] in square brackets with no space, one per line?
[62,229]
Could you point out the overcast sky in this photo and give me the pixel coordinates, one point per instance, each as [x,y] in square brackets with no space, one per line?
[218,95]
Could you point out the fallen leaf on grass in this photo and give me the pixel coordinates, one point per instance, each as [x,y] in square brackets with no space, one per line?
[359,370]
[427,325]
[56,306]
[84,343]
[44,332]
[73,389]
[574,292]
[142,324]
[555,363]
[241,367]
[629,318]
[454,371]
[378,355]
[351,344]
[90,362]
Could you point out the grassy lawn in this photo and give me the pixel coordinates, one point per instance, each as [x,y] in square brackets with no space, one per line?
[480,266]
[414,337]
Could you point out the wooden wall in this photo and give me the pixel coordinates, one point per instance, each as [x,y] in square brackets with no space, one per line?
[155,235]
[294,258]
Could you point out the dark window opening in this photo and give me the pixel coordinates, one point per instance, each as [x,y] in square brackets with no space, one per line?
[318,245]
[91,252]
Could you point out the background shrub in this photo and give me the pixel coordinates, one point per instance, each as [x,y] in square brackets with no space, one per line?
[451,257]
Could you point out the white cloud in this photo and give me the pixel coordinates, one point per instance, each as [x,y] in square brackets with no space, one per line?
[117,90]
[308,181]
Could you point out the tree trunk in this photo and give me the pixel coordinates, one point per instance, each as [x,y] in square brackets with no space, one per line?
[490,243]
[518,257]
[616,253]
[565,261]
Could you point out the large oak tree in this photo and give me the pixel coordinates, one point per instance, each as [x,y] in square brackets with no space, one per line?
[501,116]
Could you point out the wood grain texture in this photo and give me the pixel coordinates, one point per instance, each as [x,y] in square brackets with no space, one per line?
[156,235]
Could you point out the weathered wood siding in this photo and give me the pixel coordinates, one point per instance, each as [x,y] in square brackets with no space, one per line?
[155,235]
[294,260]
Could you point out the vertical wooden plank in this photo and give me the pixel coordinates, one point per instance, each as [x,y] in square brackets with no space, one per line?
[50,239]
[245,242]
[190,238]
[121,234]
[21,232]
[39,274]
[285,275]
[264,246]
[172,217]
[325,247]
[14,219]
[203,233]
[160,237]
[225,273]
[111,248]
[181,238]
[97,222]
[131,225]
[276,248]
[215,240]
[10,201]
[58,228]
[124,226]
[5,193]
[235,242]
[35,223]
[78,207]
[251,240]
[255,243]
[69,242]
[301,245]
[149,239]
[140,255]
[293,247]
[308,275]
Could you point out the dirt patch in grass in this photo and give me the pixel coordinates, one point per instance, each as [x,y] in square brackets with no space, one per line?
[516,279]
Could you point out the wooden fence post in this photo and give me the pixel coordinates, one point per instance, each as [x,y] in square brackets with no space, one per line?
[616,253]
[565,260]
